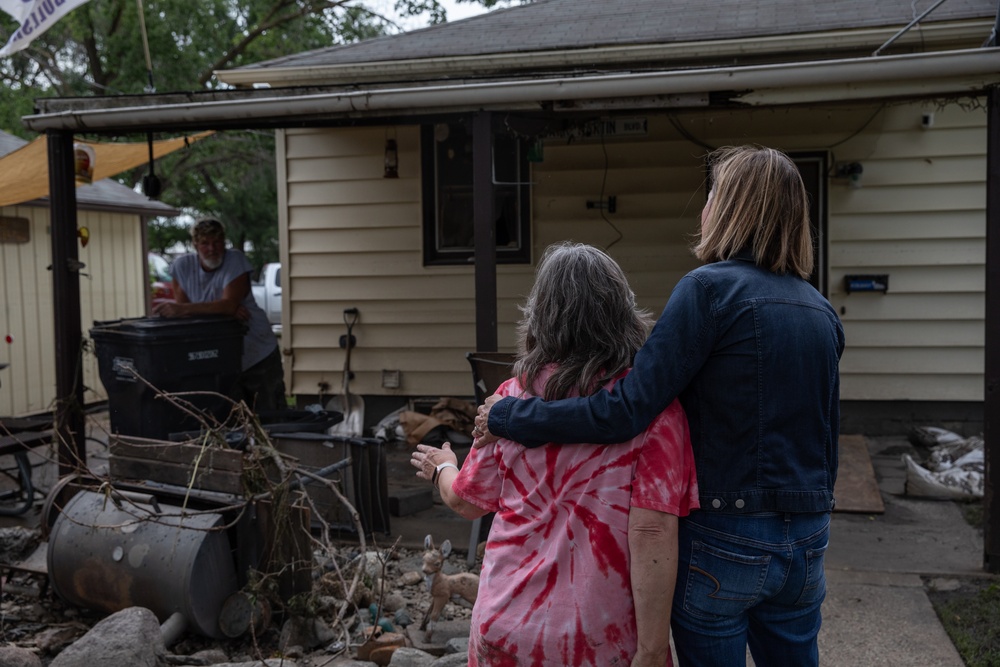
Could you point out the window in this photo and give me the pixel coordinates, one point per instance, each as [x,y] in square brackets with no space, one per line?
[812,167]
[447,163]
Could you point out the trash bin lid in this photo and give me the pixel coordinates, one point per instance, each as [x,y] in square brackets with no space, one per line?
[168,327]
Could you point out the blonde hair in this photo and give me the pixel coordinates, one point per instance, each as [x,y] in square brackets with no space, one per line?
[758,203]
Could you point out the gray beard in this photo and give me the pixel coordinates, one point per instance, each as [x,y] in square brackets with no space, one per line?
[211,265]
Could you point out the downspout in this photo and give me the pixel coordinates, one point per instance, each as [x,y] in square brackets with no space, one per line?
[991,366]
[991,397]
[992,39]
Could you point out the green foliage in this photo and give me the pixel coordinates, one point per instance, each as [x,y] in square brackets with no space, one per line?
[163,233]
[97,49]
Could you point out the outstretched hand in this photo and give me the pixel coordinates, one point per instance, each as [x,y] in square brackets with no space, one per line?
[481,433]
[426,459]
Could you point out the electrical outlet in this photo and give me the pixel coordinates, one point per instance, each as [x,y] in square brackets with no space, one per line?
[390,379]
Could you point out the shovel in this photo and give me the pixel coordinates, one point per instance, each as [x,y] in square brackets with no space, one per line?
[351,406]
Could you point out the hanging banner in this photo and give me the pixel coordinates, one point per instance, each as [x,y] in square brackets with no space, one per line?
[35,16]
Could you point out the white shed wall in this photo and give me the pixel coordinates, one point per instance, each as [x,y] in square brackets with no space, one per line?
[113,284]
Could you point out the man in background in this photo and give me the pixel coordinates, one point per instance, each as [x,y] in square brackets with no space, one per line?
[216,281]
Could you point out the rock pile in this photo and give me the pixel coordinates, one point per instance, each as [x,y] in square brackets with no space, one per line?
[40,630]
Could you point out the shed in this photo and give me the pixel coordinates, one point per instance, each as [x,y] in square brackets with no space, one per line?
[114,283]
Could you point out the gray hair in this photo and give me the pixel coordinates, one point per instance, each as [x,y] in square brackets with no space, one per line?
[581,314]
[207,228]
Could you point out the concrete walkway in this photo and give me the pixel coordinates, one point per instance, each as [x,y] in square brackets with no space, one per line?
[877,611]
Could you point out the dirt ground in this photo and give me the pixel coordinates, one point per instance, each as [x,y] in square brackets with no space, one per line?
[33,616]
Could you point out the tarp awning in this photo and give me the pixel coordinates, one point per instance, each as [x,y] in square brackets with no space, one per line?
[25,172]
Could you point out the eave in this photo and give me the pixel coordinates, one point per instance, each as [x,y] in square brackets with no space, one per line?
[966,72]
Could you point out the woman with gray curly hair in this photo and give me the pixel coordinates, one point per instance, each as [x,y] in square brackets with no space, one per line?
[580,562]
[752,350]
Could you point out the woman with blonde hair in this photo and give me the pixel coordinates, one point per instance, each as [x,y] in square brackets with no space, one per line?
[580,562]
[752,350]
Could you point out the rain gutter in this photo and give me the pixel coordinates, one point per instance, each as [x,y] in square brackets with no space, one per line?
[952,72]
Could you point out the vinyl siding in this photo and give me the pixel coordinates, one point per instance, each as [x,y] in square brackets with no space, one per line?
[113,284]
[353,239]
[920,217]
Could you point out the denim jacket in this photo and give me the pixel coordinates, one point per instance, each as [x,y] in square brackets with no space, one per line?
[754,358]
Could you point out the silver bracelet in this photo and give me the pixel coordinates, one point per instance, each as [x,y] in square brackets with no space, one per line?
[439,468]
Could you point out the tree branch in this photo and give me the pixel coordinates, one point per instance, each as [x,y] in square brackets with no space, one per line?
[273,19]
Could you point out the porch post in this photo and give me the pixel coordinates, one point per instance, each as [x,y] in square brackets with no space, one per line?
[484,232]
[991,396]
[69,419]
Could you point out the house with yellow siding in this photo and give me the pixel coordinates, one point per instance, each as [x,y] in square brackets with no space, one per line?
[409,164]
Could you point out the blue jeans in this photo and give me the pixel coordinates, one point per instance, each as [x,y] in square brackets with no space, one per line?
[752,580]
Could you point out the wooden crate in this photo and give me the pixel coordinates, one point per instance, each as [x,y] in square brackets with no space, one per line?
[212,468]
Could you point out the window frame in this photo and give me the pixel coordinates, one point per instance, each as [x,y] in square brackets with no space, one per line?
[818,198]
[433,253]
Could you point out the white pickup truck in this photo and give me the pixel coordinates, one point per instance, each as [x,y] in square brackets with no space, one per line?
[267,294]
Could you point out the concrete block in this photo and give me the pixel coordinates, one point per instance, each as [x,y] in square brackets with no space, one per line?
[408,500]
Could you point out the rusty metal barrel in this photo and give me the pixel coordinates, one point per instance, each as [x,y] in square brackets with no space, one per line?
[110,553]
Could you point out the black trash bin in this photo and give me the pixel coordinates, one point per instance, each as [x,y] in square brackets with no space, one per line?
[173,355]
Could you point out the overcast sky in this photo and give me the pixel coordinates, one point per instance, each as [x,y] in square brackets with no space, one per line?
[456,10]
[461,10]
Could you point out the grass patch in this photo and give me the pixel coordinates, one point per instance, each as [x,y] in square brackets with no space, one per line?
[969,613]
[973,513]
[969,616]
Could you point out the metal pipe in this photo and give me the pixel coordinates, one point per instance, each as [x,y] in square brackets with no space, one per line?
[172,628]
[953,72]
[908,26]
[991,366]
[992,40]
[322,472]
[70,424]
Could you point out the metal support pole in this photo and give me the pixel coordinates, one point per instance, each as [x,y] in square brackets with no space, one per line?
[991,402]
[70,425]
[484,232]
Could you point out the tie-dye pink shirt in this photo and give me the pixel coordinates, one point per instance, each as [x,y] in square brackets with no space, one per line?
[554,589]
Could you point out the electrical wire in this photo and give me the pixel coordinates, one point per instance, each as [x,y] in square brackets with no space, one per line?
[861,129]
[604,182]
[683,131]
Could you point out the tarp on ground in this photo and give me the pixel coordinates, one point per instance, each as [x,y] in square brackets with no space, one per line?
[24,173]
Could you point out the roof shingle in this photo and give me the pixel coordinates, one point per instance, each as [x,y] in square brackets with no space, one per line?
[574,24]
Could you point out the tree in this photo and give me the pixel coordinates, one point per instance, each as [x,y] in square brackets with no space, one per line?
[98,50]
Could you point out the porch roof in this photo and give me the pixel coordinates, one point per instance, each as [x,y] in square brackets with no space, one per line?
[965,72]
